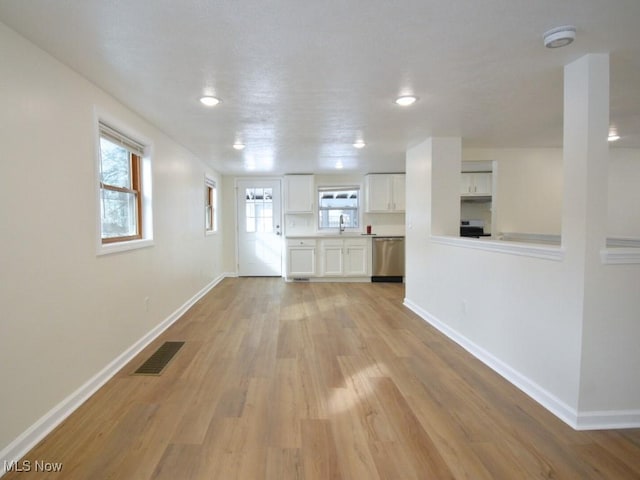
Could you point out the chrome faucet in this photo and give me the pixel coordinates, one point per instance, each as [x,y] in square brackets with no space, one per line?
[341,224]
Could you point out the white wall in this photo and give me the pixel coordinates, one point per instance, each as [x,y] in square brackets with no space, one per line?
[67,313]
[529,189]
[624,193]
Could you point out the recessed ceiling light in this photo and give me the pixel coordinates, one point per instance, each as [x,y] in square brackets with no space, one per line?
[406,100]
[359,144]
[613,137]
[238,146]
[559,36]
[209,101]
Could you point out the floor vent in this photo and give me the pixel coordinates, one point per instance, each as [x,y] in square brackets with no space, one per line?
[156,362]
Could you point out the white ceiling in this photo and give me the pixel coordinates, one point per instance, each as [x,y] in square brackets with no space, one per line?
[301,80]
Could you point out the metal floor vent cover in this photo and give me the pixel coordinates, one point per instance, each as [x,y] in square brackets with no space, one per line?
[156,362]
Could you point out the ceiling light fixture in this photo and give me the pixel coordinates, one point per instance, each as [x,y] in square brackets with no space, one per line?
[209,101]
[238,146]
[359,144]
[613,137]
[559,36]
[406,100]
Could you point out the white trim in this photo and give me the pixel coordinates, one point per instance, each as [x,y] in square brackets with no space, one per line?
[523,249]
[608,420]
[620,256]
[109,248]
[596,420]
[41,428]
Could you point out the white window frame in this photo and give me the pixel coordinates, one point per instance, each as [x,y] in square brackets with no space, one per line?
[209,182]
[325,188]
[146,235]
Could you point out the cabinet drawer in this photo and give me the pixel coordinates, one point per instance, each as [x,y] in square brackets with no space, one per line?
[301,242]
[355,242]
[332,242]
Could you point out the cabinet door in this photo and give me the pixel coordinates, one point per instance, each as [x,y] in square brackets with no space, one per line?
[482,183]
[466,183]
[299,193]
[378,193]
[332,260]
[356,261]
[301,261]
[398,187]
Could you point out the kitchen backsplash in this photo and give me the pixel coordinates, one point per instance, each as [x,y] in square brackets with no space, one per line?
[381,224]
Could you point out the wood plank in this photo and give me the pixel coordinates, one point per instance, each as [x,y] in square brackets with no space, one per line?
[321,381]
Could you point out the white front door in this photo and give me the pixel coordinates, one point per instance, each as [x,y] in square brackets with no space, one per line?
[259,232]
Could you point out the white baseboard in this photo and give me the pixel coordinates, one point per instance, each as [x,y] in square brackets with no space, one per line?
[36,432]
[608,420]
[576,420]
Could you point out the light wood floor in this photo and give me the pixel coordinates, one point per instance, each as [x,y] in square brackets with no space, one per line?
[321,381]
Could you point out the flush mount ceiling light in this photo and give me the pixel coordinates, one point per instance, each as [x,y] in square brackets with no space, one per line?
[406,100]
[559,36]
[238,146]
[359,144]
[209,101]
[613,137]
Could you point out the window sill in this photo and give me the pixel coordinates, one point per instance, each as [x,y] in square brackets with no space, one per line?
[109,248]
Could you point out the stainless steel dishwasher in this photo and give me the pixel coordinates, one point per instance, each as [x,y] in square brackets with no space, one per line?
[388,259]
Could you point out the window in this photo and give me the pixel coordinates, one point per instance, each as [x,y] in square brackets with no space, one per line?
[121,202]
[334,203]
[259,210]
[211,212]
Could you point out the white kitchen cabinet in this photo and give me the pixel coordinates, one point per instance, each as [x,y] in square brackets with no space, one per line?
[474,184]
[385,193]
[357,256]
[298,193]
[301,258]
[332,258]
[347,257]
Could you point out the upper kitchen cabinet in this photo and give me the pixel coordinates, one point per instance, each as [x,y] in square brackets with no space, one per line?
[385,193]
[475,184]
[298,193]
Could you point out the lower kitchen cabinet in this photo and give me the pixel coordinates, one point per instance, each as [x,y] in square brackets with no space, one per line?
[344,257]
[356,258]
[301,258]
[328,258]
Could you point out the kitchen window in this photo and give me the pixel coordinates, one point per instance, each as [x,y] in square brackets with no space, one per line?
[336,202]
[124,180]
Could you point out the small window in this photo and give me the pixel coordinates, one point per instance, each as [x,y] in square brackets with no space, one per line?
[211,211]
[120,186]
[334,203]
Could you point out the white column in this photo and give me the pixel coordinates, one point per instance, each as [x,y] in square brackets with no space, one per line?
[586,154]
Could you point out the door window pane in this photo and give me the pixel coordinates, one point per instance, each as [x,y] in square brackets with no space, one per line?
[259,210]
